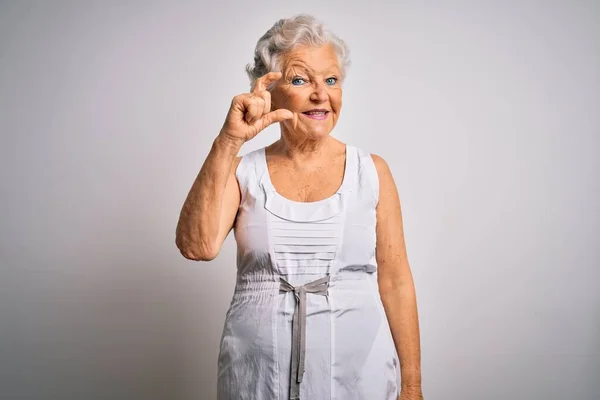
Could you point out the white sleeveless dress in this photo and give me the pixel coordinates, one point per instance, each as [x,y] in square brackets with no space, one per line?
[306,320]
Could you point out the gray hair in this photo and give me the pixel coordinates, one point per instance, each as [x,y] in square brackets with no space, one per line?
[288,33]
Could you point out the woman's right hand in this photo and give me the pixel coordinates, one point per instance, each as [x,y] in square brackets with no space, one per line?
[250,113]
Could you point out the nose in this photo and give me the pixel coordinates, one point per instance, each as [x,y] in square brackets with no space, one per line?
[319,94]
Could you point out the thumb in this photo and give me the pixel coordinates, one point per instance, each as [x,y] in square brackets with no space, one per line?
[275,116]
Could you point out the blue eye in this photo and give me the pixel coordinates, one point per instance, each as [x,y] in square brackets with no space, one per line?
[297,79]
[331,81]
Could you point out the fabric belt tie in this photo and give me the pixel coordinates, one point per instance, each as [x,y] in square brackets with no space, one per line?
[319,287]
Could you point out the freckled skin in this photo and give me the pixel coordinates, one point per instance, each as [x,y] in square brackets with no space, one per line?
[311,79]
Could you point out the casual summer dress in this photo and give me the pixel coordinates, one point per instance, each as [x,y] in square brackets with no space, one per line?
[306,320]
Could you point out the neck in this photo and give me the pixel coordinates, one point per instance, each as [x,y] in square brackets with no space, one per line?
[301,147]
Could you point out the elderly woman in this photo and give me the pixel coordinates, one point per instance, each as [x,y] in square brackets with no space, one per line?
[324,304]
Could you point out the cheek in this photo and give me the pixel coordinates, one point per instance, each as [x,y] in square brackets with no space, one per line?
[336,97]
[289,102]
[281,98]
[296,100]
[337,103]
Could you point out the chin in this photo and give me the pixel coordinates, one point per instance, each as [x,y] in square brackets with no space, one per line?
[319,134]
[319,131]
[313,132]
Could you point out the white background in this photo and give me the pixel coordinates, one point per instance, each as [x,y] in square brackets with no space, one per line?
[487,113]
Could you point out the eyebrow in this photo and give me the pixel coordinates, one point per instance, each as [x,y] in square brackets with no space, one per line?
[332,71]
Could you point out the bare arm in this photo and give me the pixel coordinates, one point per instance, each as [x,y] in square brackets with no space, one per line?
[210,208]
[209,211]
[395,281]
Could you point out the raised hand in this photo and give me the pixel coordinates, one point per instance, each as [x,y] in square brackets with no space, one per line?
[250,113]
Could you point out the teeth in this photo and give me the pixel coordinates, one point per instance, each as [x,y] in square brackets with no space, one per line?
[316,113]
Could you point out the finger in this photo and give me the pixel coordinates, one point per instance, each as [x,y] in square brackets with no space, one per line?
[266,98]
[239,107]
[273,117]
[264,81]
[256,109]
[253,112]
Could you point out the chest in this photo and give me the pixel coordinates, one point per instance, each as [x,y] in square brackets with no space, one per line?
[307,185]
[269,236]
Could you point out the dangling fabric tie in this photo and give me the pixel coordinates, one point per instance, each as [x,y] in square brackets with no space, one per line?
[318,287]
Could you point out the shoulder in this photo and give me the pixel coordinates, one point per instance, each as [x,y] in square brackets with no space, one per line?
[382,167]
[371,160]
[241,163]
[366,156]
[245,168]
[388,192]
[252,154]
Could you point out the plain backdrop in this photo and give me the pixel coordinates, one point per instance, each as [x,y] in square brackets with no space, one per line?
[487,113]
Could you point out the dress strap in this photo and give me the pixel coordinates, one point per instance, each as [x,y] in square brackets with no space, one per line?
[367,178]
[247,171]
[306,211]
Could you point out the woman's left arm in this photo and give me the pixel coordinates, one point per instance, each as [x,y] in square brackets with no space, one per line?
[396,286]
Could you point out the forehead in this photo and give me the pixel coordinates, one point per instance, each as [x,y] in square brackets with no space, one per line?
[311,58]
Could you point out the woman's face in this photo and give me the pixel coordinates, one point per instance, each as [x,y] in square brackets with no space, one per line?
[310,87]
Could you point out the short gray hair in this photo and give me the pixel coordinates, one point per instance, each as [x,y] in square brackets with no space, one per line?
[288,33]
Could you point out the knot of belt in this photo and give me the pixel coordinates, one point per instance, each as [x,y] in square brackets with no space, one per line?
[319,287]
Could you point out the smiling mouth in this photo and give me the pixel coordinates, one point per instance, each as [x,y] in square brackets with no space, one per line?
[318,114]
[315,112]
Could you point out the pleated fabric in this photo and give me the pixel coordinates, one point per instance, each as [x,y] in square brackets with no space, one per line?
[306,320]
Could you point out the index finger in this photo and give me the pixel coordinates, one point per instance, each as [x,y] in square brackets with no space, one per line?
[264,81]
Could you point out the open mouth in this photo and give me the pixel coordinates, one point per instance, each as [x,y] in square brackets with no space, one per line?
[316,114]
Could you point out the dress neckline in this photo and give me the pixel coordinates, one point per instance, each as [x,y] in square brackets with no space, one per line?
[341,188]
